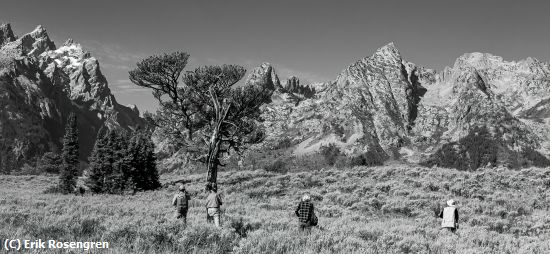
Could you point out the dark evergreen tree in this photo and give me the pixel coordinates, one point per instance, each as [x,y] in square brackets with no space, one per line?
[122,162]
[118,170]
[137,163]
[69,156]
[99,167]
[142,160]
[150,164]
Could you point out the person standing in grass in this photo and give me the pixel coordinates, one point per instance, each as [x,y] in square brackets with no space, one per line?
[450,216]
[306,214]
[213,203]
[181,202]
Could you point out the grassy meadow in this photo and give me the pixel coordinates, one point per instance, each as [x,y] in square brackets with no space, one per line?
[386,209]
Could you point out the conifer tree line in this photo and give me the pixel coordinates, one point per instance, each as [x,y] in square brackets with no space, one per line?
[122,161]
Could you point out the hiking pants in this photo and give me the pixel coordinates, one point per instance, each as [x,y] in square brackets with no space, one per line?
[215,214]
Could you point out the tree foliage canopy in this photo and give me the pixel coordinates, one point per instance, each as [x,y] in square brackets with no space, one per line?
[206,112]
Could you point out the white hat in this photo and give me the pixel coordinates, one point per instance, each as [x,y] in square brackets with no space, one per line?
[306,197]
[451,202]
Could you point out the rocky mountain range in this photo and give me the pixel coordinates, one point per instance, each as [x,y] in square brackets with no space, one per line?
[40,85]
[482,111]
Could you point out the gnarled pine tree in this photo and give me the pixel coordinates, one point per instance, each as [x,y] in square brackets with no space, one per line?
[206,112]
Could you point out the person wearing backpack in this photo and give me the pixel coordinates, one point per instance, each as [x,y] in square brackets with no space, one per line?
[181,203]
[450,216]
[306,214]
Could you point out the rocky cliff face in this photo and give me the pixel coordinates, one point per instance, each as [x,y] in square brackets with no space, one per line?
[6,34]
[369,108]
[389,108]
[40,85]
[481,90]
[264,75]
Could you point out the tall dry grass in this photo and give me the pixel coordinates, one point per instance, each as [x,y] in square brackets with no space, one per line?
[388,209]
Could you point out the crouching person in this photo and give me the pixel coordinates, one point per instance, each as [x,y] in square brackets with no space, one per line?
[449,215]
[181,203]
[306,214]
[213,203]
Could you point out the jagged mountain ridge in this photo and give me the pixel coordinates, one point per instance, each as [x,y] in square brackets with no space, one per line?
[389,108]
[381,105]
[40,85]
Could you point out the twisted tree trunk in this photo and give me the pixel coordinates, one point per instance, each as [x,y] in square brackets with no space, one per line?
[213,162]
[213,154]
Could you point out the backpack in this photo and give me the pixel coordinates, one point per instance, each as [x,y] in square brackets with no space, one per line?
[314,220]
[182,201]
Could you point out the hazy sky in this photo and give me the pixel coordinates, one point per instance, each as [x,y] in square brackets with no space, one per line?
[313,40]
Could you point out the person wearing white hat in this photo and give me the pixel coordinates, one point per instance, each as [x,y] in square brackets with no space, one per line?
[450,216]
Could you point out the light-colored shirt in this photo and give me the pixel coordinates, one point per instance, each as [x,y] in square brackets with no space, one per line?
[213,200]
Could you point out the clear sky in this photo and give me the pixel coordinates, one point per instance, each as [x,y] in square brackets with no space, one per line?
[314,39]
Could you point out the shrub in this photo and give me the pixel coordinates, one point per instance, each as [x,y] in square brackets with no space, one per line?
[331,153]
[432,187]
[277,166]
[284,143]
[369,159]
[376,204]
[242,228]
[311,182]
[27,169]
[370,235]
[436,209]
[397,208]
[49,163]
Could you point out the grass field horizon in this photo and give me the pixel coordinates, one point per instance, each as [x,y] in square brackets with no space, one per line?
[385,209]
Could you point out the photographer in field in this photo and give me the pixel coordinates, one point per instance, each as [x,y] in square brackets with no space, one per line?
[449,215]
[181,202]
[213,203]
[306,214]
